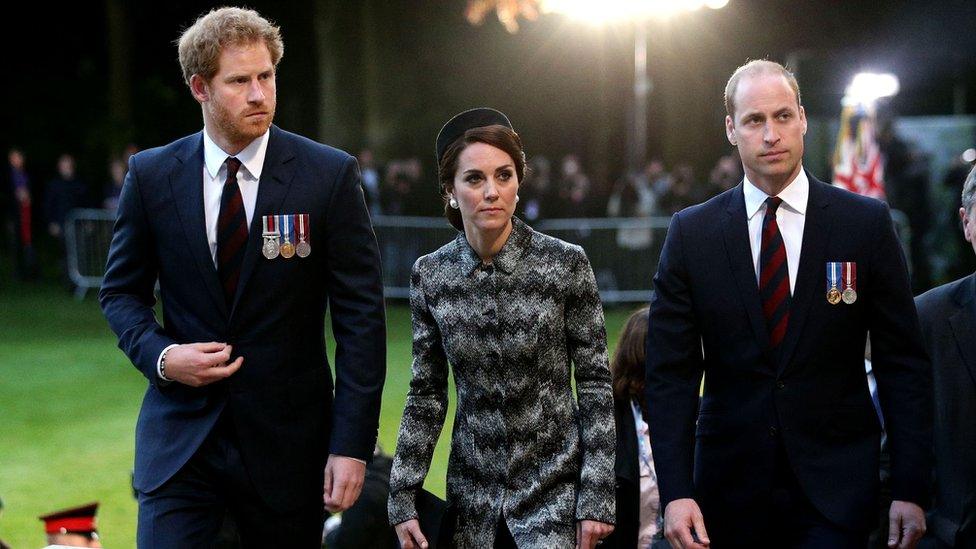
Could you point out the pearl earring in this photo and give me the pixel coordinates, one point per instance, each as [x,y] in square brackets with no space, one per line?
[453,203]
[516,199]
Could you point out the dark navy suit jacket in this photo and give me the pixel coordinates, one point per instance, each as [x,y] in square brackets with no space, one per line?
[287,411]
[948,318]
[706,317]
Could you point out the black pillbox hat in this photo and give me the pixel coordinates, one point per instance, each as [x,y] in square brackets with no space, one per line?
[474,118]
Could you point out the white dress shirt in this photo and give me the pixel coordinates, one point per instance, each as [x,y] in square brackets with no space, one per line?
[214,173]
[790,217]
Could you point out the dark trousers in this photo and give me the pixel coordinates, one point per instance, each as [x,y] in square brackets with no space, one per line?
[789,520]
[189,510]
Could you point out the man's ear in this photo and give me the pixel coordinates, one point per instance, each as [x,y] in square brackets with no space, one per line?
[200,88]
[730,130]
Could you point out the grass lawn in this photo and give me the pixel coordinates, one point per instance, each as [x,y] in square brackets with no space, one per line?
[68,405]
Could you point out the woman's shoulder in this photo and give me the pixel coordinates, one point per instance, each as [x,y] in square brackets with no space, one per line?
[448,254]
[555,248]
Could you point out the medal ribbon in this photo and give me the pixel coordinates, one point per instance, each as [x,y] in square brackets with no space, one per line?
[302,224]
[833,274]
[286,227]
[850,275]
[270,225]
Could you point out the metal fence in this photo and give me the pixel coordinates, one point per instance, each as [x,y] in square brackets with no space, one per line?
[622,251]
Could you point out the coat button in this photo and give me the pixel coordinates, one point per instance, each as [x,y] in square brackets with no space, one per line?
[780,385]
[772,431]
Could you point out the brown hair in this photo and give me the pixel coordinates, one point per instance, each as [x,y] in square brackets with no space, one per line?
[497,136]
[753,68]
[627,366]
[200,45]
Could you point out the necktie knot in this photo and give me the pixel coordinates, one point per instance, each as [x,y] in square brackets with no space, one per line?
[233,164]
[772,204]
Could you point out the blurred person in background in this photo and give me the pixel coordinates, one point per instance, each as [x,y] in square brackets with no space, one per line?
[517,315]
[639,521]
[906,179]
[573,189]
[536,190]
[63,193]
[948,318]
[116,170]
[19,219]
[684,191]
[726,173]
[371,181]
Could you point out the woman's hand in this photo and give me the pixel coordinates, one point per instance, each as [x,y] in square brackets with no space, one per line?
[590,532]
[410,536]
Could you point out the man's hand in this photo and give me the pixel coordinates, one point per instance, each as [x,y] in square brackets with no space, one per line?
[410,536]
[906,524]
[681,517]
[590,532]
[343,481]
[199,364]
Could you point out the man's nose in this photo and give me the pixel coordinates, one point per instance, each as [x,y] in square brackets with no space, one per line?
[255,94]
[770,135]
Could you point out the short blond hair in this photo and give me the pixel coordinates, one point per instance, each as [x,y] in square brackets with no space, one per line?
[200,45]
[753,68]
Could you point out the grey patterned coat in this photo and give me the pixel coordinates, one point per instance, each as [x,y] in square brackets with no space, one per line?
[521,447]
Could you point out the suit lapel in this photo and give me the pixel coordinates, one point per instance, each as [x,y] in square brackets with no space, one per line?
[187,185]
[737,247]
[276,176]
[816,234]
[963,323]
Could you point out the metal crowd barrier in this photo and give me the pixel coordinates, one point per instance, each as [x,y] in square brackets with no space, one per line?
[623,251]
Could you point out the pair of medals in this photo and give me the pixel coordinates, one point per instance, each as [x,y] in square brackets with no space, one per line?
[285,235]
[842,282]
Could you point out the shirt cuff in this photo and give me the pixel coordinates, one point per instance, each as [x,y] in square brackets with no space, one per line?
[159,362]
[363,461]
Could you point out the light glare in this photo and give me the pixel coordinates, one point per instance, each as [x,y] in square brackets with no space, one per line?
[867,87]
[607,11]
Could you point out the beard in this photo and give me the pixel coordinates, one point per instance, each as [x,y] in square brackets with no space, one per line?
[237,127]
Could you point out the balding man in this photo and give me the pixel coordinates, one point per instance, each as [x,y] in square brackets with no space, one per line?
[770,290]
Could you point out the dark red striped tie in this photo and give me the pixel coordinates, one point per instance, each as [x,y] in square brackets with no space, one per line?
[231,232]
[774,275]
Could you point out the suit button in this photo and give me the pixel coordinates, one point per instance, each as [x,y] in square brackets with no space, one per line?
[772,431]
[780,385]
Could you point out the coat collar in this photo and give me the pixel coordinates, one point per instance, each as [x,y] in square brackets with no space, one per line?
[508,257]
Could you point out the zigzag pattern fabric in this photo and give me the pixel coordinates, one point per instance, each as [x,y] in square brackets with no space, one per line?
[774,275]
[523,448]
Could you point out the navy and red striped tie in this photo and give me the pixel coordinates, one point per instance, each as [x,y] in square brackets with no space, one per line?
[231,232]
[774,275]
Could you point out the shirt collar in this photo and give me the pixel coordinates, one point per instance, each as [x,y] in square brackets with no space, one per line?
[795,195]
[251,157]
[507,258]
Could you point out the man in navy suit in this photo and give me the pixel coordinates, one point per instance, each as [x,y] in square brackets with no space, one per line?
[769,290]
[948,318]
[252,233]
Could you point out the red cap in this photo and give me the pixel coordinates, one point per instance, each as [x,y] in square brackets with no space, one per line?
[79,520]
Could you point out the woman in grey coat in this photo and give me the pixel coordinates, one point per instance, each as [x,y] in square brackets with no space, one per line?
[510,309]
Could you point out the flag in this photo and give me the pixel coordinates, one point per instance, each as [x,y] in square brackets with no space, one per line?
[857,162]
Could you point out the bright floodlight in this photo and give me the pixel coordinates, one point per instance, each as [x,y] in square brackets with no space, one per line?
[868,87]
[606,11]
